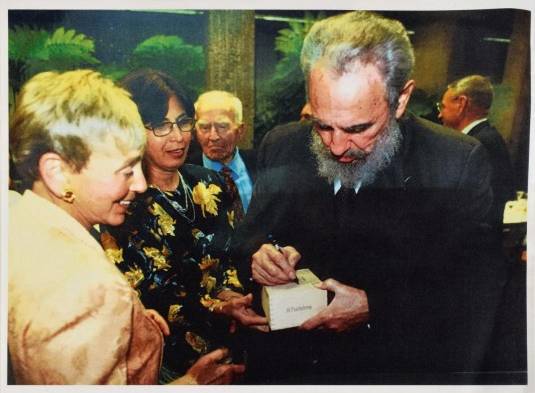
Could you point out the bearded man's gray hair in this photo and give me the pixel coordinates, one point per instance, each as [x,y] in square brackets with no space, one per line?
[340,41]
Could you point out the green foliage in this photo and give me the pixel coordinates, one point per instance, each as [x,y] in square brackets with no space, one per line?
[35,50]
[32,51]
[113,71]
[26,43]
[172,55]
[281,97]
[68,50]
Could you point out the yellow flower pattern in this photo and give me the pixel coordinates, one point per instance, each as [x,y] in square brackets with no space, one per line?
[208,282]
[232,278]
[115,255]
[208,262]
[174,313]
[134,277]
[161,251]
[209,302]
[230,218]
[160,262]
[112,250]
[206,198]
[165,221]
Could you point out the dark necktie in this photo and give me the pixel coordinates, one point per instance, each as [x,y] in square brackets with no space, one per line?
[344,205]
[237,206]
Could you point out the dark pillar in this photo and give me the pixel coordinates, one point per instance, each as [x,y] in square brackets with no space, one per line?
[230,60]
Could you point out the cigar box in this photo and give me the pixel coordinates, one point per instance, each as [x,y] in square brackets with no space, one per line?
[289,305]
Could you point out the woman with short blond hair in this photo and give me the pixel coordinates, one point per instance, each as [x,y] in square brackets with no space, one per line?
[76,142]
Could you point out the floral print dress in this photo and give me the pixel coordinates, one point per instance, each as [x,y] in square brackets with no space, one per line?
[173,249]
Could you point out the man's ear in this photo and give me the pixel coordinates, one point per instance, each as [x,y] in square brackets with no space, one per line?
[52,173]
[403,99]
[463,103]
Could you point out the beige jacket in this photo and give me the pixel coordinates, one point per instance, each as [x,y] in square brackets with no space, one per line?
[72,317]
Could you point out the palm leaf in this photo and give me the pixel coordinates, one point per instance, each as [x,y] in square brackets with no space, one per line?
[70,37]
[25,43]
[170,54]
[32,51]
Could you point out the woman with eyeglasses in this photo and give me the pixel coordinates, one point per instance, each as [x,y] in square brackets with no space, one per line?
[173,247]
[76,142]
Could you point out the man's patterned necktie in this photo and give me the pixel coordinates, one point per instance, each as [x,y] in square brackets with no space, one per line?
[231,186]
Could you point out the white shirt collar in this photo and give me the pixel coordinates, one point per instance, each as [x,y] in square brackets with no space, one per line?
[338,184]
[236,164]
[469,127]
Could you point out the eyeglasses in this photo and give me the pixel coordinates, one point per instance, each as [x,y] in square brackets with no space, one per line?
[184,124]
[220,127]
[439,106]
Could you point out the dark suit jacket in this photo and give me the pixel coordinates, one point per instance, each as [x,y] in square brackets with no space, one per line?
[502,180]
[248,156]
[419,241]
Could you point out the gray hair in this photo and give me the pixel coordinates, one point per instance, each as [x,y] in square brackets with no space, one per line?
[342,40]
[477,88]
[226,100]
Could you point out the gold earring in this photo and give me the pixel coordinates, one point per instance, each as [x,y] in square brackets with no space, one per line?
[68,195]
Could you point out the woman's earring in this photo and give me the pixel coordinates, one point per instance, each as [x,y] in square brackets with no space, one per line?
[68,195]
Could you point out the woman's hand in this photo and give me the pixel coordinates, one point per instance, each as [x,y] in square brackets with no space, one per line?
[210,369]
[159,320]
[238,307]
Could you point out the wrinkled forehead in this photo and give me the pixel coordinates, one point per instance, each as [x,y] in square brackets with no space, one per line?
[216,114]
[216,105]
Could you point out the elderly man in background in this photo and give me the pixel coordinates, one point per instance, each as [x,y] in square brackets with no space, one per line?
[76,142]
[464,107]
[219,128]
[391,211]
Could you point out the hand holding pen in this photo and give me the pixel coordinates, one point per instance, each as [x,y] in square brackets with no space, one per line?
[273,264]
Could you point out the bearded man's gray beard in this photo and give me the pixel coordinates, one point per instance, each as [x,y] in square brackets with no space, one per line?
[364,168]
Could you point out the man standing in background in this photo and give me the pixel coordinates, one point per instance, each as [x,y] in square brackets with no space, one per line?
[464,107]
[219,128]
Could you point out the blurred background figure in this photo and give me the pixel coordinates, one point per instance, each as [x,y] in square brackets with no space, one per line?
[173,246]
[76,142]
[465,107]
[219,129]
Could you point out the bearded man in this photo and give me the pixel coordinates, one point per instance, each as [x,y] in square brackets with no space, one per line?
[389,210]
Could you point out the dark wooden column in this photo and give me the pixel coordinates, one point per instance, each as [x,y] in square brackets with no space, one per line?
[230,60]
[517,76]
[431,71]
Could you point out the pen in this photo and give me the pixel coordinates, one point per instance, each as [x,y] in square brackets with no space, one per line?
[274,243]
